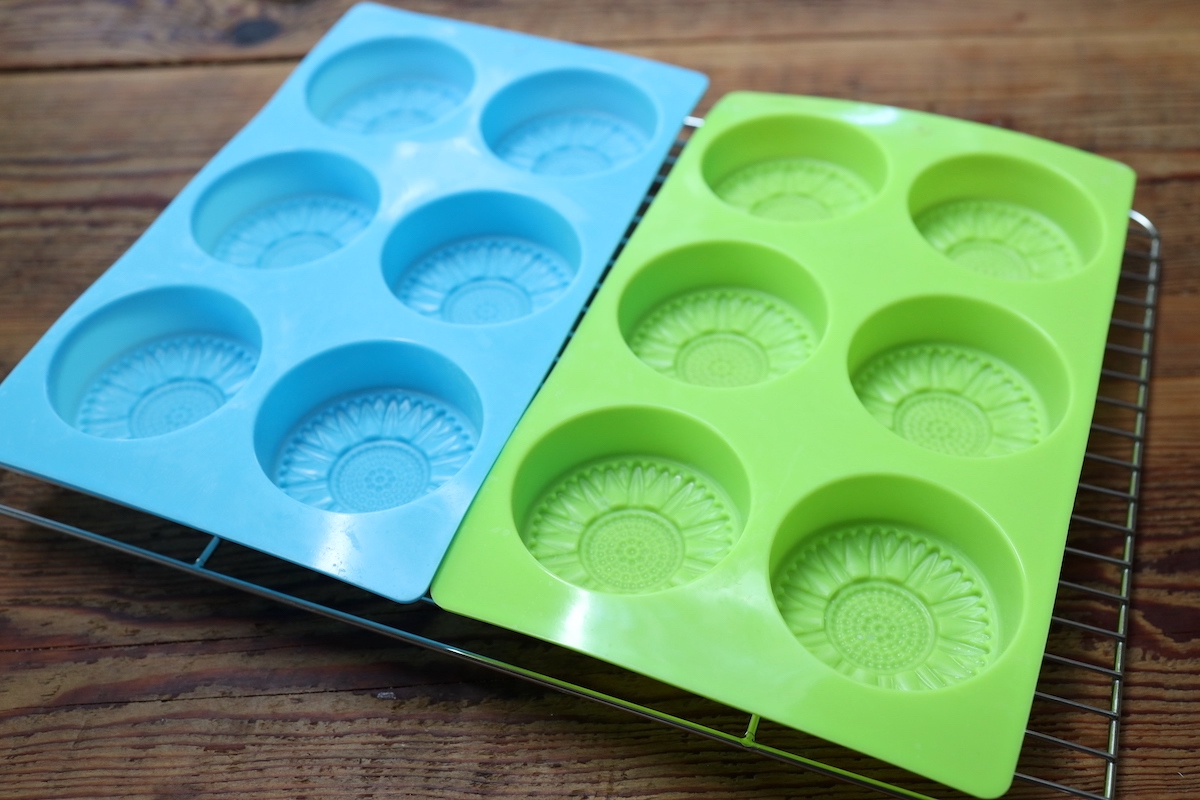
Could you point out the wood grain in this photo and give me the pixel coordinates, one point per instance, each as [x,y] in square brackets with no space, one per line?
[58,33]
[120,678]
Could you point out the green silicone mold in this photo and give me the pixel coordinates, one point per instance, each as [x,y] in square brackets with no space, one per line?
[888,607]
[1006,218]
[958,377]
[723,315]
[631,525]
[1001,239]
[723,337]
[795,169]
[953,400]
[813,449]
[895,583]
[794,189]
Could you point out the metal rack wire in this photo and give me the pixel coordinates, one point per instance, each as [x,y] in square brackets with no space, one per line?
[1071,745]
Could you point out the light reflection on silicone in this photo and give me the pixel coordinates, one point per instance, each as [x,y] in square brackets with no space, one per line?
[575,630]
[338,547]
[873,115]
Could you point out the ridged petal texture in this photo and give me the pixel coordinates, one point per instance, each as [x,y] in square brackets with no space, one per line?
[952,400]
[576,143]
[395,106]
[292,231]
[631,525]
[795,189]
[374,451]
[485,280]
[1000,239]
[723,337]
[165,385]
[888,607]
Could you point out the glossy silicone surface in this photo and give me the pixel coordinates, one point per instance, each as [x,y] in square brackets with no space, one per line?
[320,346]
[813,450]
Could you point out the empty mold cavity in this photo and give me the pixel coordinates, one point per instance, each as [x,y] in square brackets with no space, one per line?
[959,377]
[722,314]
[569,122]
[896,583]
[368,427]
[285,210]
[1006,217]
[630,500]
[481,258]
[154,362]
[390,86]
[795,168]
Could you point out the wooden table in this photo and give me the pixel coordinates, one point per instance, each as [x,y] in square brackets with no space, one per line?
[120,678]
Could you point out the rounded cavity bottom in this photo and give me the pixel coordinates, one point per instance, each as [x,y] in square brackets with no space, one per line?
[374,451]
[888,606]
[795,189]
[631,525]
[723,337]
[952,399]
[575,143]
[292,231]
[396,105]
[164,385]
[485,280]
[1000,239]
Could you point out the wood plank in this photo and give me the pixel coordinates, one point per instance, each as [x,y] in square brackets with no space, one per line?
[1079,93]
[55,33]
[368,744]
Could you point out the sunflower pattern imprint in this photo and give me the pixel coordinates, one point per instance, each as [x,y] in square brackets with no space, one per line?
[1003,240]
[632,526]
[485,281]
[373,452]
[292,231]
[571,144]
[887,607]
[395,106]
[953,400]
[165,385]
[723,338]
[795,189]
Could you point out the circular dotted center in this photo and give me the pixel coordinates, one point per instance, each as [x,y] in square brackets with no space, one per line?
[945,422]
[990,258]
[377,475]
[722,359]
[573,159]
[400,120]
[298,248]
[174,405]
[486,301]
[880,626]
[790,207]
[396,106]
[631,549]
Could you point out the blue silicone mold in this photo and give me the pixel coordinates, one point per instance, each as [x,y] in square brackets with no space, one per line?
[319,348]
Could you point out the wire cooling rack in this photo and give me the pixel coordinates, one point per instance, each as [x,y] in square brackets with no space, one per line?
[1071,745]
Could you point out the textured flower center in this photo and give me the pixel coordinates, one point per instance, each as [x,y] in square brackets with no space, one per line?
[880,626]
[377,475]
[632,549]
[945,422]
[174,405]
[722,359]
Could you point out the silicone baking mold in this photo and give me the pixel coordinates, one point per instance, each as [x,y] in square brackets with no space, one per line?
[320,346]
[813,450]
